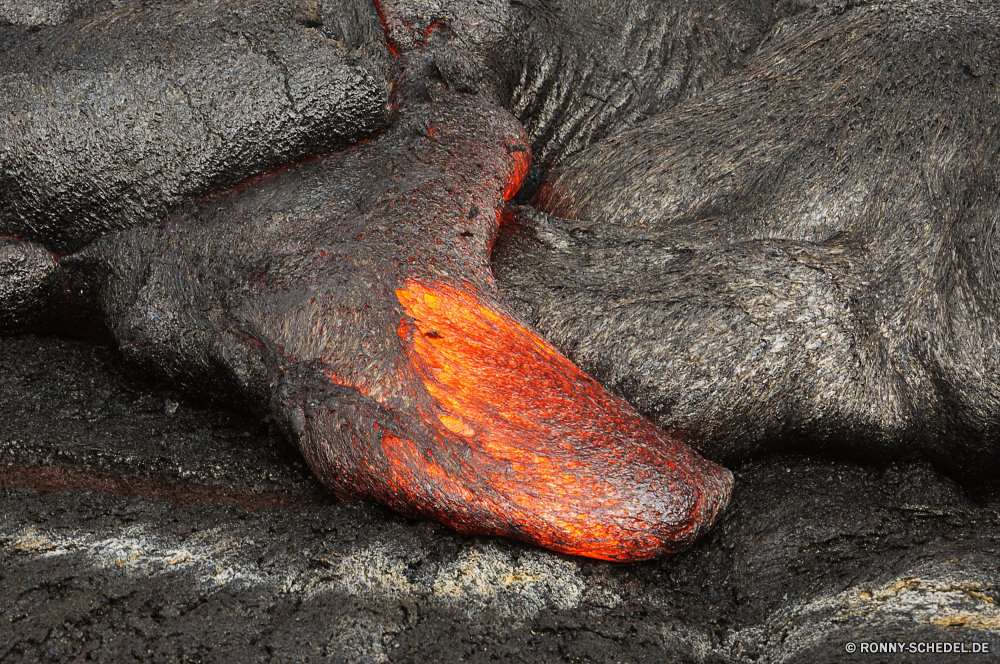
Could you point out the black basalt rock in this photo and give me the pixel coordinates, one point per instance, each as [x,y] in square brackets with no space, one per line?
[575,71]
[802,257]
[28,279]
[812,555]
[798,257]
[112,117]
[350,298]
[588,69]
[777,263]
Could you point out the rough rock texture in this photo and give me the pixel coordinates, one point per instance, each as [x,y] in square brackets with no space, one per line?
[310,341]
[814,554]
[33,13]
[803,256]
[574,71]
[224,93]
[219,547]
[117,115]
[67,406]
[351,299]
[28,278]
[584,70]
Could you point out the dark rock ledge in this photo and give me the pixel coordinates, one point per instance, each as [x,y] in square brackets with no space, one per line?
[813,554]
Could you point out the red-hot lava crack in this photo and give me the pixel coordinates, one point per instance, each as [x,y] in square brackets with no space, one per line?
[350,298]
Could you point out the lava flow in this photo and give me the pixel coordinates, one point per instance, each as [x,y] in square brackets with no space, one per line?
[352,296]
[557,460]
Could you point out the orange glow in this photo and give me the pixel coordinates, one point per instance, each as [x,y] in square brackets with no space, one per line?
[473,419]
[385,28]
[522,161]
[530,447]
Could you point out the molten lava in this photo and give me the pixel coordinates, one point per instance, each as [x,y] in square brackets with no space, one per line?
[525,436]
[352,295]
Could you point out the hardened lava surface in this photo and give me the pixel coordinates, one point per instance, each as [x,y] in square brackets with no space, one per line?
[813,554]
[342,298]
[349,299]
[117,112]
[801,257]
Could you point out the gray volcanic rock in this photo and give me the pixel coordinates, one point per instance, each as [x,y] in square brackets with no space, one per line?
[803,256]
[43,12]
[73,419]
[28,278]
[813,554]
[113,117]
[587,69]
[138,116]
[285,294]
[574,71]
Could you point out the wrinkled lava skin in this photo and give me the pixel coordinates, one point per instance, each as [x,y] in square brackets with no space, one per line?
[574,71]
[125,110]
[804,255]
[743,259]
[351,296]
[113,117]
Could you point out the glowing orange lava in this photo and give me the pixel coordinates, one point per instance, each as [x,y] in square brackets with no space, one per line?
[522,162]
[532,442]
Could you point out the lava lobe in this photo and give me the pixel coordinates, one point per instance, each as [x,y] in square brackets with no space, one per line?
[350,298]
